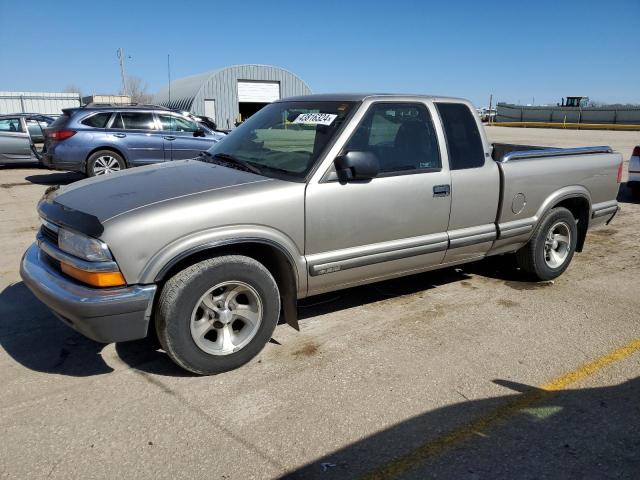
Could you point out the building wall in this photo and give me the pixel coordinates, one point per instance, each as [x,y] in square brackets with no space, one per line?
[37,102]
[222,86]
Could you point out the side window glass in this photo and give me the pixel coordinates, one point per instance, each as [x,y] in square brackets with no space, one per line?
[463,138]
[35,130]
[99,120]
[177,124]
[401,135]
[137,121]
[10,125]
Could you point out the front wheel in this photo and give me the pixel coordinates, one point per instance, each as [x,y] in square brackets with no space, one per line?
[551,248]
[218,314]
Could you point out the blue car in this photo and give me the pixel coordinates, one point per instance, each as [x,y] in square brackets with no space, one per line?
[101,140]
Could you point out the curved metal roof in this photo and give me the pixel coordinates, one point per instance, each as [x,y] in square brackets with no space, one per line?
[184,90]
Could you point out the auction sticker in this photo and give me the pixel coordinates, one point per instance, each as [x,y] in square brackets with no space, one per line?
[315,118]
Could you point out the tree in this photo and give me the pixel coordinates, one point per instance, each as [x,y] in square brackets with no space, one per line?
[137,89]
[73,88]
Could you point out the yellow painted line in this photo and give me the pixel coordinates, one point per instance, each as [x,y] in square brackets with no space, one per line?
[570,125]
[432,448]
[592,367]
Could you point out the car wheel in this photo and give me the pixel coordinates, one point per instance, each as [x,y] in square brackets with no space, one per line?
[104,162]
[551,247]
[218,314]
[635,190]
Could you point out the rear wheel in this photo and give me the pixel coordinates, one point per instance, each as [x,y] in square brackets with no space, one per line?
[104,162]
[551,248]
[217,314]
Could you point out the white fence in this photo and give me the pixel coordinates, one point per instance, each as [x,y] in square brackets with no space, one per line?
[37,102]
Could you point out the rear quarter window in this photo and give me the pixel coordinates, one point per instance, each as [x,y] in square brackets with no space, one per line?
[463,138]
[99,120]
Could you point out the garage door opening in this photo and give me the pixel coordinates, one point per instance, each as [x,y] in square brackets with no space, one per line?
[249,108]
[253,95]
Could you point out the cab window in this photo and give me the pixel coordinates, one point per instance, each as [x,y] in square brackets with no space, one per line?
[401,135]
[463,138]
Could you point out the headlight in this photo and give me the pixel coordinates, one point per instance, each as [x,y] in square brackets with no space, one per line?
[82,246]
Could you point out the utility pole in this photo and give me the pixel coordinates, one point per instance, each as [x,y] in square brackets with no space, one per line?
[120,54]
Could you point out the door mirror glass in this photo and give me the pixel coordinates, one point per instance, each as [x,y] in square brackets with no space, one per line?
[199,132]
[354,166]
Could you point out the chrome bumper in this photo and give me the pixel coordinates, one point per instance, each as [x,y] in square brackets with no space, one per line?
[102,314]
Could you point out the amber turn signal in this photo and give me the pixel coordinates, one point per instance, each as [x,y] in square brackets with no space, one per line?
[95,279]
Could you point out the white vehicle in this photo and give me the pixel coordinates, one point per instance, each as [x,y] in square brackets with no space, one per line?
[634,172]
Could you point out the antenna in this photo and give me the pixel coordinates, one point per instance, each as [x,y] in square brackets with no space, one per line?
[121,57]
[169,75]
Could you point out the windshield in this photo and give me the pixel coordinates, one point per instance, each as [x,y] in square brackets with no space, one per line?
[285,138]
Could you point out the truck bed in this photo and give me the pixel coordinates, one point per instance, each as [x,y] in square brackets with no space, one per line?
[533,177]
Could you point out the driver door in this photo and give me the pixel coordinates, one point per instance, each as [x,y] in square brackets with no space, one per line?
[364,231]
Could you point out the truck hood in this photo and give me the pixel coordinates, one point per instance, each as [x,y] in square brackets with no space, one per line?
[108,196]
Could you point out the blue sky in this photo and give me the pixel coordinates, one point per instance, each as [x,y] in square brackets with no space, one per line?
[516,50]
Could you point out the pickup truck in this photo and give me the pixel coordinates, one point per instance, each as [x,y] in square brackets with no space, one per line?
[312,194]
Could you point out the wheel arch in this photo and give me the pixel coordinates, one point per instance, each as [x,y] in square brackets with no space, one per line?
[274,257]
[577,200]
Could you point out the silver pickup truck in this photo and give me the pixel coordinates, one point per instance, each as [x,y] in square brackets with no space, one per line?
[311,194]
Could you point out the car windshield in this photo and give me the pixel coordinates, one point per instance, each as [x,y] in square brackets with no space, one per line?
[284,139]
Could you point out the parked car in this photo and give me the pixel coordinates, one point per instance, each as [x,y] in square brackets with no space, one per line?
[311,194]
[22,137]
[202,120]
[634,172]
[98,140]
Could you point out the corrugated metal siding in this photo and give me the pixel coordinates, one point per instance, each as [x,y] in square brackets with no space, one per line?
[221,85]
[47,103]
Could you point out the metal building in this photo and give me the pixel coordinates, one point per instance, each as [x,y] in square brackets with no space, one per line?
[231,94]
[37,102]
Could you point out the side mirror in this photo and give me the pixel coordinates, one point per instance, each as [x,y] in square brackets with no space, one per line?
[199,133]
[357,166]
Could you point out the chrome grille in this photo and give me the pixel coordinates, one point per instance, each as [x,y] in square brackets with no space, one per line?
[49,234]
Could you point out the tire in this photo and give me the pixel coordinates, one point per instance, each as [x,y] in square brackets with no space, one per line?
[104,162]
[635,191]
[195,326]
[549,252]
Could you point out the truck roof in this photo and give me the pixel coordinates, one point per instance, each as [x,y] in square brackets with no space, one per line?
[358,97]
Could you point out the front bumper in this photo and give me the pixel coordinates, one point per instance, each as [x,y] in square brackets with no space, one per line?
[102,314]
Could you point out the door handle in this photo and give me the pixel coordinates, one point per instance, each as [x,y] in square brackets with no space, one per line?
[169,137]
[120,135]
[441,190]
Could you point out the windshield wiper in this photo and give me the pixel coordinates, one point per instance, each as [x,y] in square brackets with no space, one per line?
[227,160]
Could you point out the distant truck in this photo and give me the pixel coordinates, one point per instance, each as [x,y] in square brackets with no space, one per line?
[310,195]
[581,102]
